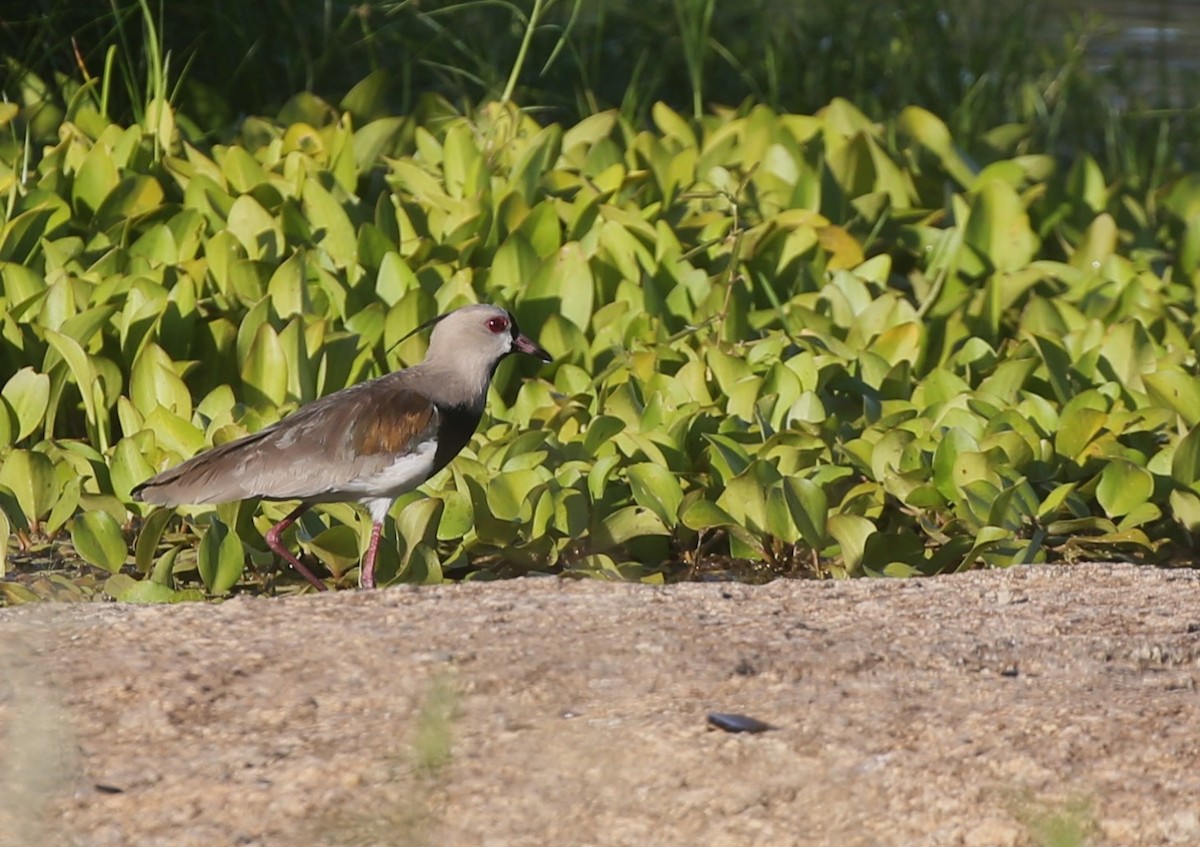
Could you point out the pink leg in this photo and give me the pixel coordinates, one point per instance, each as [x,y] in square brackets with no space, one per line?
[367,572]
[274,542]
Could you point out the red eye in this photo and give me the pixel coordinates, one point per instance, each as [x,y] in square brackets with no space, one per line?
[497,325]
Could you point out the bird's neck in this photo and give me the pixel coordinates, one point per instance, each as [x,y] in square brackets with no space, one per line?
[463,388]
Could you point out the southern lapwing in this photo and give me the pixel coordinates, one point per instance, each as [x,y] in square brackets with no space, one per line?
[368,443]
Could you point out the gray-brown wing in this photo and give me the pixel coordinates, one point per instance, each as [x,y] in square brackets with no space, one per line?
[319,450]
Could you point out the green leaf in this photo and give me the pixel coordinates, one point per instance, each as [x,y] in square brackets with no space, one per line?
[417,526]
[672,125]
[1077,429]
[745,496]
[330,221]
[28,393]
[125,589]
[163,571]
[1123,487]
[97,537]
[30,477]
[508,493]
[809,508]
[220,558]
[999,227]
[258,231]
[1177,391]
[954,442]
[703,514]
[367,99]
[395,279]
[97,176]
[1185,509]
[851,533]
[81,369]
[458,516]
[265,369]
[657,489]
[566,284]
[600,433]
[1185,466]
[154,382]
[241,170]
[148,539]
[462,161]
[65,506]
[135,195]
[336,548]
[625,525]
[5,529]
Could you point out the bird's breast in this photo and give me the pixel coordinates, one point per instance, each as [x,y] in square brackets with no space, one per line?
[402,473]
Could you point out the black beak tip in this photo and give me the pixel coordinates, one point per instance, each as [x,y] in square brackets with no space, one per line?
[523,344]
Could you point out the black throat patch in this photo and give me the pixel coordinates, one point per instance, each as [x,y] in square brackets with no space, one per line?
[456,425]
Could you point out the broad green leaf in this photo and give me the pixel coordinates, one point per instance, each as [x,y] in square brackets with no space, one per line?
[367,99]
[175,434]
[851,533]
[462,161]
[330,221]
[69,495]
[600,473]
[220,558]
[954,442]
[703,514]
[28,393]
[265,369]
[745,496]
[148,538]
[30,477]
[624,525]
[417,526]
[19,238]
[97,176]
[929,131]
[135,195]
[1098,243]
[154,382]
[1123,487]
[600,433]
[97,537]
[81,369]
[672,124]
[1185,466]
[336,547]
[508,493]
[259,232]
[1185,509]
[395,279]
[458,515]
[514,265]
[1077,431]
[657,489]
[1177,391]
[163,571]
[809,507]
[125,589]
[240,169]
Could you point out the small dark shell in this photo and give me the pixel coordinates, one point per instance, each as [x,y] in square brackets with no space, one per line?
[731,722]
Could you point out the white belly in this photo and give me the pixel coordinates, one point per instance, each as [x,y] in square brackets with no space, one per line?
[379,490]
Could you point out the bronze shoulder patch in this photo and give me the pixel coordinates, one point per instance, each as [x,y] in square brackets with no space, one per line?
[392,423]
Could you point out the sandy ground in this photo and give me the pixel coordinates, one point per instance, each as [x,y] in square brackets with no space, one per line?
[1047,706]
